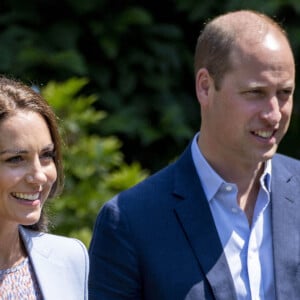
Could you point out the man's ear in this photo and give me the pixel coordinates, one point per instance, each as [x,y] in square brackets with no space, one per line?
[204,84]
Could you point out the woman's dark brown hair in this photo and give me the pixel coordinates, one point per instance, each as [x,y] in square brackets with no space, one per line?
[16,96]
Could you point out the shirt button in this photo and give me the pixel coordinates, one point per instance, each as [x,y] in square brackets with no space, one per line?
[228,188]
[234,209]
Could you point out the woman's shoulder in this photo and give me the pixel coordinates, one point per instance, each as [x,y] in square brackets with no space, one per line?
[47,242]
[52,254]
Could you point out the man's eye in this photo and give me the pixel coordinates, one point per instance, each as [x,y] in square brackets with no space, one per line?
[286,92]
[284,95]
[256,92]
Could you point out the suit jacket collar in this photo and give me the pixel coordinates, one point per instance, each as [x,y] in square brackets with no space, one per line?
[50,272]
[196,221]
[286,227]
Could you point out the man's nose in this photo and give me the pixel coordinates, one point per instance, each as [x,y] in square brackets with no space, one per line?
[271,111]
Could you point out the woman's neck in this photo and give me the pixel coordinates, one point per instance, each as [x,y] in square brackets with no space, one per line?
[12,250]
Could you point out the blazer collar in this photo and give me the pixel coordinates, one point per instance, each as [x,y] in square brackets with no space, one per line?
[197,223]
[50,272]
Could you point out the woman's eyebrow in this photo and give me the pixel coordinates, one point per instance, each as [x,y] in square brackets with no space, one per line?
[48,147]
[13,151]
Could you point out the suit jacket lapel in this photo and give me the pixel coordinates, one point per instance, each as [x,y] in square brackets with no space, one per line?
[286,228]
[197,223]
[50,273]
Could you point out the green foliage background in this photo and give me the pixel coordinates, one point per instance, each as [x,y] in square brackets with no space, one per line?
[120,77]
[95,168]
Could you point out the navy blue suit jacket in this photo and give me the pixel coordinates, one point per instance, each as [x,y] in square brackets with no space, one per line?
[158,239]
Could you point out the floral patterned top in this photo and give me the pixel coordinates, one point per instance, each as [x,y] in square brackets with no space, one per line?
[19,282]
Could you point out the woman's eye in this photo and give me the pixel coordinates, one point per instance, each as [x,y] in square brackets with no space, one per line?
[14,159]
[49,155]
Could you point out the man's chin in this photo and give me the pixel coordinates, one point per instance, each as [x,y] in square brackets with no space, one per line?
[269,154]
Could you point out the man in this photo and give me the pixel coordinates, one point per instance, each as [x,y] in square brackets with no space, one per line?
[222,222]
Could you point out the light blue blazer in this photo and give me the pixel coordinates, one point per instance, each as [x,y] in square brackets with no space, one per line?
[61,265]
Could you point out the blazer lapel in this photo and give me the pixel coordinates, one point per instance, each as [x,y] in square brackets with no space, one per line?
[286,228]
[50,273]
[198,225]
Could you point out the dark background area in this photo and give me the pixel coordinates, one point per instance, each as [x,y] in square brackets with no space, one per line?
[138,58]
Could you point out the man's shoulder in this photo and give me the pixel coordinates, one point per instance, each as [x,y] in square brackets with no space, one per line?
[158,190]
[286,161]
[164,178]
[151,187]
[161,177]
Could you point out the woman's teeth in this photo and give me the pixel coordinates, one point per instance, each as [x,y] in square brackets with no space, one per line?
[30,197]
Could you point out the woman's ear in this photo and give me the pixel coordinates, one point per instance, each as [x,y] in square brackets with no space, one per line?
[203,85]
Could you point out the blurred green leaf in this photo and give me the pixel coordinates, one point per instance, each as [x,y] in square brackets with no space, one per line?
[94,165]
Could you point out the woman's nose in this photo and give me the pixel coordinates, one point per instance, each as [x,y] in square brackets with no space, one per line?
[36,174]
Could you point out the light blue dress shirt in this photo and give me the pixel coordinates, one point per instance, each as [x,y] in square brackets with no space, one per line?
[248,249]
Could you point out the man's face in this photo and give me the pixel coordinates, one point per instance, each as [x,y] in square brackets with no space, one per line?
[248,116]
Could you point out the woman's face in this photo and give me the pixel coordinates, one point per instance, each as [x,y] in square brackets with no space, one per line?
[27,168]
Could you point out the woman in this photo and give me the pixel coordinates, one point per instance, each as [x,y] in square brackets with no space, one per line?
[33,264]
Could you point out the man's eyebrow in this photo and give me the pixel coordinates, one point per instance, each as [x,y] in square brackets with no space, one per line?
[261,84]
